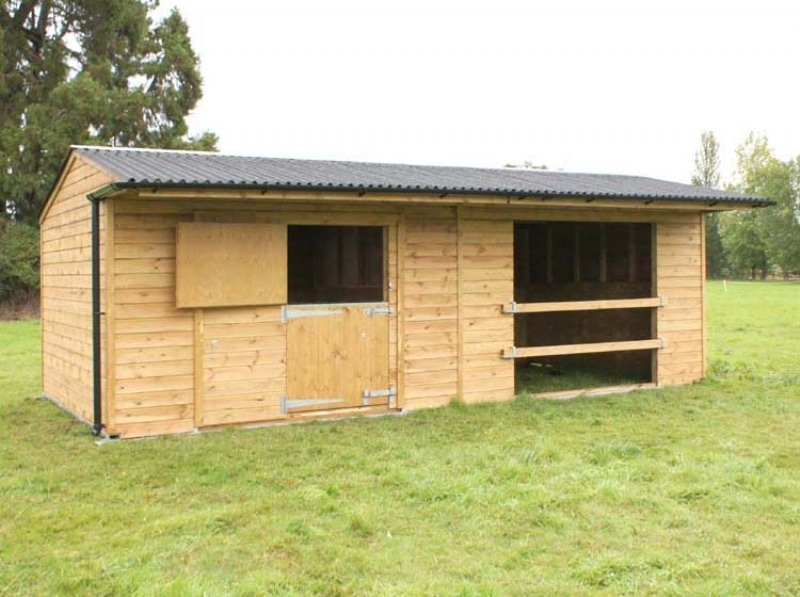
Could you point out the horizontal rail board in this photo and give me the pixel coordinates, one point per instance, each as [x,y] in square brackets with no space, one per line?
[583,305]
[564,349]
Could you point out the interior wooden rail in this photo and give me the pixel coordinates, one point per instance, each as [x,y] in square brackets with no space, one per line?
[584,305]
[564,349]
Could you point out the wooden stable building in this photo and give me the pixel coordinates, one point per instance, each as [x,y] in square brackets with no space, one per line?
[188,290]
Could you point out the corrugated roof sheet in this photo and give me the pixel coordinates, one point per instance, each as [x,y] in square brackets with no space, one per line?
[154,168]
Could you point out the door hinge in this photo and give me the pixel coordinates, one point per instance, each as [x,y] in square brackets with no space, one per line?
[373,311]
[370,395]
[288,313]
[288,404]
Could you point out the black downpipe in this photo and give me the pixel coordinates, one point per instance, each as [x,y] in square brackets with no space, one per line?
[97,428]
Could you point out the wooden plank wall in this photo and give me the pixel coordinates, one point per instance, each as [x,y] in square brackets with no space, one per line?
[429,308]
[66,282]
[486,270]
[679,263]
[153,354]
[244,365]
[238,354]
[456,270]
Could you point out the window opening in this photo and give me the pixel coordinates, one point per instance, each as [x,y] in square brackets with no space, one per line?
[336,264]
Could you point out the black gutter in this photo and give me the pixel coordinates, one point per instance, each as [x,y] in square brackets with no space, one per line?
[97,427]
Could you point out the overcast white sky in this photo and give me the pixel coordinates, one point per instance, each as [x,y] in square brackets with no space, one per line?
[615,86]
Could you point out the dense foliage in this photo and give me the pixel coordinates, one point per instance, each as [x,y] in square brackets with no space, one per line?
[82,72]
[19,260]
[88,72]
[757,243]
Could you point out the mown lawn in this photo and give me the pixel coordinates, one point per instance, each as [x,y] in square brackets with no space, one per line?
[684,491]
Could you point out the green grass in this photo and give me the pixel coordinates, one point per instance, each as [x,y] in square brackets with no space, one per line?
[683,491]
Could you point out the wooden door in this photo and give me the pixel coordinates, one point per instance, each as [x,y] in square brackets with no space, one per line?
[337,357]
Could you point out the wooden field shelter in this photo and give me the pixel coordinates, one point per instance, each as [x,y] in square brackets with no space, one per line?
[183,291]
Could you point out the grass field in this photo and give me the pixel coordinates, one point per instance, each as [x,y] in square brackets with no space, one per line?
[682,491]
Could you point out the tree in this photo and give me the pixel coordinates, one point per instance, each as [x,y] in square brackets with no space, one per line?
[743,244]
[706,174]
[19,260]
[706,162]
[760,173]
[88,72]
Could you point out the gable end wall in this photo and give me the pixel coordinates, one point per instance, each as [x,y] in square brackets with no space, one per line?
[66,289]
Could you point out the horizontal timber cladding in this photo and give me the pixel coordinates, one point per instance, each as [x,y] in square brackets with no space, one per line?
[429,282]
[486,267]
[243,365]
[681,282]
[176,370]
[66,283]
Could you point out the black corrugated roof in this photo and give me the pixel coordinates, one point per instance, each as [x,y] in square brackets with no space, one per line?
[155,168]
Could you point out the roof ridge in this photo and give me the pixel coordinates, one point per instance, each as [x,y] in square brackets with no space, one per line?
[148,150]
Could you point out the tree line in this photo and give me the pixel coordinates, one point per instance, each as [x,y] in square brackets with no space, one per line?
[757,243]
[93,72]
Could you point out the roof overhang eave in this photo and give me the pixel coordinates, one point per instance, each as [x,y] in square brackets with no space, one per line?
[707,203]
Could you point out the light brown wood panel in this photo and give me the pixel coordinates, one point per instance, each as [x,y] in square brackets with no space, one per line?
[429,263]
[159,325]
[145,251]
[153,414]
[136,296]
[153,265]
[256,343]
[590,348]
[431,275]
[133,430]
[475,299]
[243,315]
[423,351]
[157,398]
[431,339]
[430,313]
[135,281]
[431,300]
[475,274]
[485,373]
[438,377]
[414,328]
[147,311]
[233,390]
[134,221]
[145,236]
[665,326]
[124,356]
[430,249]
[145,370]
[431,287]
[266,370]
[231,264]
[428,395]
[277,355]
[490,311]
[421,365]
[483,360]
[219,331]
[237,414]
[65,244]
[153,339]
[154,384]
[338,355]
